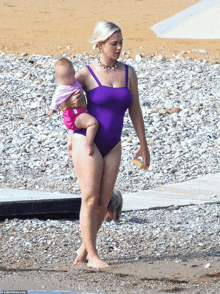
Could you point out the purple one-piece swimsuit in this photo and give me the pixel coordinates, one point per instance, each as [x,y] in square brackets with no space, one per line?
[108,106]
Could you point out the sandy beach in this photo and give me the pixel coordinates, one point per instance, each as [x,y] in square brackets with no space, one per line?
[57,27]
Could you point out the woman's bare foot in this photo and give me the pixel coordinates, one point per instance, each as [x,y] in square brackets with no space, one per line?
[81,256]
[97,263]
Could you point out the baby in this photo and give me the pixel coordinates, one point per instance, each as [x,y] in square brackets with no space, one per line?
[74,118]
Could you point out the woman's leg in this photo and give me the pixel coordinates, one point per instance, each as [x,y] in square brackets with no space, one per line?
[110,172]
[69,144]
[89,170]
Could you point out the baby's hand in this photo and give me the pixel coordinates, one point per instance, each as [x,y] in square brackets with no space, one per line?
[51,111]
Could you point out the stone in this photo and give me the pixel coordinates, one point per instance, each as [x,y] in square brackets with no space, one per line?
[203,51]
[174,110]
[161,58]
[138,58]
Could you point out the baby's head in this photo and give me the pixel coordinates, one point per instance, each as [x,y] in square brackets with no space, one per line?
[64,71]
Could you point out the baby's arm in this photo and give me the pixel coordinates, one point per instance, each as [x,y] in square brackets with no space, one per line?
[55,102]
[60,96]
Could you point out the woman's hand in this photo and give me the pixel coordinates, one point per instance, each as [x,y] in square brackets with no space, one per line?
[77,99]
[144,153]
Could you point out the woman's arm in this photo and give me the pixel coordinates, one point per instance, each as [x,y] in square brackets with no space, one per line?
[137,118]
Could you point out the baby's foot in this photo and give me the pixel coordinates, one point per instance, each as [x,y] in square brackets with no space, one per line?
[97,263]
[90,148]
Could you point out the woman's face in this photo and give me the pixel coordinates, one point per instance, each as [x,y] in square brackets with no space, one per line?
[113,46]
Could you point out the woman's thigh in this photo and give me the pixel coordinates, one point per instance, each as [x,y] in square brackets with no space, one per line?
[110,171]
[89,169]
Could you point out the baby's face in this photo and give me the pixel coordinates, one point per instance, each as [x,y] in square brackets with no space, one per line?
[64,74]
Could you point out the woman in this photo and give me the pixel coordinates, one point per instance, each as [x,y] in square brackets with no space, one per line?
[111,88]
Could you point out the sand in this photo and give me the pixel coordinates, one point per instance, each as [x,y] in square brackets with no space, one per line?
[156,276]
[49,27]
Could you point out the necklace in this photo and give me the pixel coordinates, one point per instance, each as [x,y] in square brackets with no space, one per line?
[108,67]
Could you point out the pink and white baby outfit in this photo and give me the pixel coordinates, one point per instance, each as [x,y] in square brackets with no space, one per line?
[62,93]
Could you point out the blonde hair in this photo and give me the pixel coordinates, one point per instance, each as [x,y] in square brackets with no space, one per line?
[104,30]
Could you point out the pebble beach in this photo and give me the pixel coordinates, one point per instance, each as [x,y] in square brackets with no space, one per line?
[148,251]
[180,105]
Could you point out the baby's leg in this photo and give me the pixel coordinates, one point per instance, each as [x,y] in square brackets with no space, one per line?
[88,122]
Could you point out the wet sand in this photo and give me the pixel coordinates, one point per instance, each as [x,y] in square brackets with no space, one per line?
[150,277]
[49,27]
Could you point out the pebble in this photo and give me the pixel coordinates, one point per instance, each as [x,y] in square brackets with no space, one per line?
[203,51]
[180,106]
[138,58]
[161,58]
[208,265]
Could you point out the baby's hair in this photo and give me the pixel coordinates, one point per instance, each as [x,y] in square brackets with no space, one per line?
[103,30]
[64,61]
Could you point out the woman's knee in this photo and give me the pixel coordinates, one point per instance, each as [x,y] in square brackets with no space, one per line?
[104,201]
[90,200]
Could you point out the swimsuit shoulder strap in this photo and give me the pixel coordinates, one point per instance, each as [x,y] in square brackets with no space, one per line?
[94,76]
[126,75]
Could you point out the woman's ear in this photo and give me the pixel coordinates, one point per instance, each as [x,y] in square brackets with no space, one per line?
[99,46]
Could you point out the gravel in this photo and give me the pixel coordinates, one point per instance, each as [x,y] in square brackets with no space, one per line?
[180,105]
[187,231]
[46,249]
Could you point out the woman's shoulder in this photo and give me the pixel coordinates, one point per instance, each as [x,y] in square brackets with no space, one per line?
[131,70]
[82,75]
[82,71]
